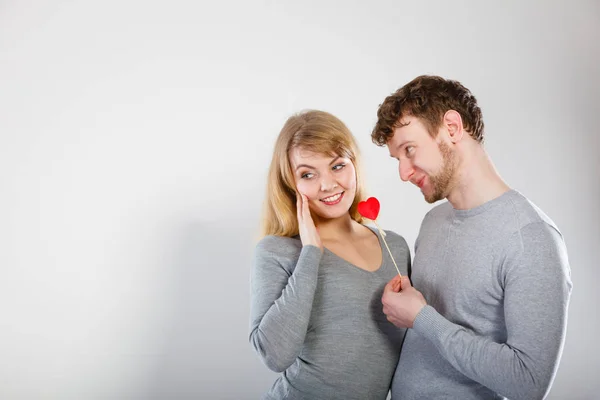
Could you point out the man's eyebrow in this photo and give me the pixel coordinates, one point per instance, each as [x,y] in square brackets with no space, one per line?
[402,144]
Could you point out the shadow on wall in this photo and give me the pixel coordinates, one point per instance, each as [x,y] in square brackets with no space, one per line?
[203,350]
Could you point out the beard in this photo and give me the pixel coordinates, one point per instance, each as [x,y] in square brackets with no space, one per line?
[440,182]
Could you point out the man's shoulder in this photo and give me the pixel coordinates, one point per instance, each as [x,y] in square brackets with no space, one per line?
[525,213]
[440,211]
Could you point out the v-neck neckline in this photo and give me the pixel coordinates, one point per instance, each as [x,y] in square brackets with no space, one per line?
[379,238]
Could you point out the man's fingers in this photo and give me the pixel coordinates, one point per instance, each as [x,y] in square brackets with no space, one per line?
[389,287]
[393,285]
[405,282]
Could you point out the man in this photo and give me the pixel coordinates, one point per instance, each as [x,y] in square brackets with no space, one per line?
[489,317]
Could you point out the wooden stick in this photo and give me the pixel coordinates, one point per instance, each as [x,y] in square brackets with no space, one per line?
[380,230]
[388,249]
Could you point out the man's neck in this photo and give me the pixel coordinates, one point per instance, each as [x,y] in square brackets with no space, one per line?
[477,181]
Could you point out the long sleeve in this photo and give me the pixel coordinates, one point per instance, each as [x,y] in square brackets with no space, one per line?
[537,288]
[281,300]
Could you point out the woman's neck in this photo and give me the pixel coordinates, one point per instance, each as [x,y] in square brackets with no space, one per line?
[335,228]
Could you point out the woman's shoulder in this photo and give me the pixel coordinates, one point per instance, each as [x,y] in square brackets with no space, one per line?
[391,238]
[279,245]
[393,234]
[396,238]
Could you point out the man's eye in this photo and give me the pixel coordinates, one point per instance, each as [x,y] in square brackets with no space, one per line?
[409,150]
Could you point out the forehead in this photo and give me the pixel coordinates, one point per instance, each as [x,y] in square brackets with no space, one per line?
[299,155]
[411,129]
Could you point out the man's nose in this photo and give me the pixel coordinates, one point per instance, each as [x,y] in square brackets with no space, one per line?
[406,171]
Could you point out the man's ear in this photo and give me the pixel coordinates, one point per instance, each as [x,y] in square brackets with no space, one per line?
[452,121]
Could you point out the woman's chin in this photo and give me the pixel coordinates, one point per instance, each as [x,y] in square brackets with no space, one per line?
[332,212]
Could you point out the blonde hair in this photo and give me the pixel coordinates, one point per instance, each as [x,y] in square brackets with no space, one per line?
[315,131]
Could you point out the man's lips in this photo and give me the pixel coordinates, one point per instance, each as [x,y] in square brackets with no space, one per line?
[420,182]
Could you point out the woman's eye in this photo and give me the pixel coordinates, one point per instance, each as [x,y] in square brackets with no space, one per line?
[338,167]
[307,175]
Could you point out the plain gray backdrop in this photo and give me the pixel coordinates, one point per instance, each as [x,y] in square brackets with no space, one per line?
[135,141]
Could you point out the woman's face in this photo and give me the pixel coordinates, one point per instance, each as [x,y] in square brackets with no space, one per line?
[329,182]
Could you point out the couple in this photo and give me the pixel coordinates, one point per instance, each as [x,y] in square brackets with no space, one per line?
[484,313]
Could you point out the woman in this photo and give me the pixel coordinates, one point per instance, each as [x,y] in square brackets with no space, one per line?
[318,273]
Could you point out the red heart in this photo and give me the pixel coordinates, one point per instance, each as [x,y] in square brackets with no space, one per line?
[369,209]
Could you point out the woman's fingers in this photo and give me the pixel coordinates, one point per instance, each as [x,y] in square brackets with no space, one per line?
[299,206]
[305,210]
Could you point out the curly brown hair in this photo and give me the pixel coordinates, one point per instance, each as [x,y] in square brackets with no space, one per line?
[428,98]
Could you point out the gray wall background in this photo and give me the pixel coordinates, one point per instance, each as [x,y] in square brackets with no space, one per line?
[135,139]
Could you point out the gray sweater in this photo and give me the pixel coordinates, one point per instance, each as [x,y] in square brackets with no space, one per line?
[318,319]
[497,282]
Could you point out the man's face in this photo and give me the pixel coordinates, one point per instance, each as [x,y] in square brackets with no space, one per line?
[426,162]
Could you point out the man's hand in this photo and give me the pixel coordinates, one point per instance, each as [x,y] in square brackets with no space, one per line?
[402,302]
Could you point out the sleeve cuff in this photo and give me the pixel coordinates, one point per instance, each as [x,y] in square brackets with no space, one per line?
[310,258]
[311,252]
[431,324]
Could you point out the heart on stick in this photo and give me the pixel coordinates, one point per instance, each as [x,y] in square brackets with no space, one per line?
[369,208]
